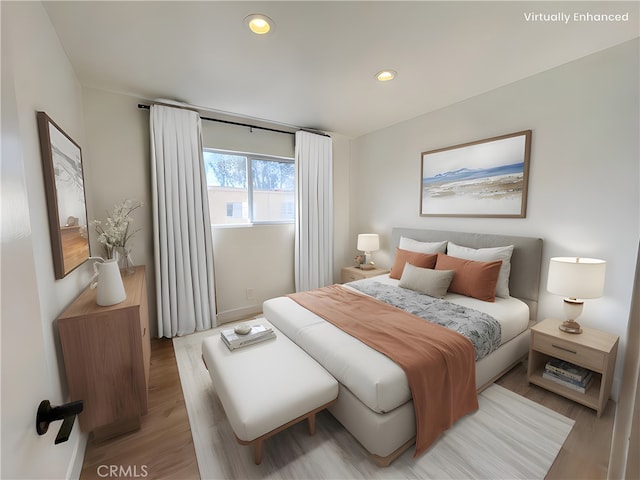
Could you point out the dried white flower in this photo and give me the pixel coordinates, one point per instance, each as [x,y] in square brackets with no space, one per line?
[116,231]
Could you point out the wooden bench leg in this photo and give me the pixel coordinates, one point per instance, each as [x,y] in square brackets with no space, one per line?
[257,452]
[257,443]
[311,419]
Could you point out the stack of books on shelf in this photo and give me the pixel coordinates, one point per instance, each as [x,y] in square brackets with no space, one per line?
[234,340]
[568,374]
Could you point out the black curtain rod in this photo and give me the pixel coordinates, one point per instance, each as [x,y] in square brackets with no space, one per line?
[147,107]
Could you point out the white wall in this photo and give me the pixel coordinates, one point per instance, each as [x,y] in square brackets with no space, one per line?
[36,75]
[243,139]
[117,167]
[252,264]
[344,242]
[583,186]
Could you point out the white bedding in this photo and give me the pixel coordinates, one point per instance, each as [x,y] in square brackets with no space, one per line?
[511,313]
[372,377]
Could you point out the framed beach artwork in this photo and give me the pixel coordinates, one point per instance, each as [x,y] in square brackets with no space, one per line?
[486,178]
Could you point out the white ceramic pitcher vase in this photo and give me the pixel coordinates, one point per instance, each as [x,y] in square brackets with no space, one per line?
[109,283]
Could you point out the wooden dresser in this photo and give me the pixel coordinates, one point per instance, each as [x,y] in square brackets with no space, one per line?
[107,355]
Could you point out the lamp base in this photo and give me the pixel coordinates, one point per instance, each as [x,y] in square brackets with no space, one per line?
[570,326]
[572,310]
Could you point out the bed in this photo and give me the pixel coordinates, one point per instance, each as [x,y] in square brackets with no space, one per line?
[375,402]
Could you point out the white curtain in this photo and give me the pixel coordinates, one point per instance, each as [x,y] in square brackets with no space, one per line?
[183,246]
[314,213]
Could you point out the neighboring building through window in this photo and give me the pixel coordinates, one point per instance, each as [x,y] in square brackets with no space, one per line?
[235,209]
[246,188]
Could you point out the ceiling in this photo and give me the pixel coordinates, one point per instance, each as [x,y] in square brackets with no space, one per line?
[316,69]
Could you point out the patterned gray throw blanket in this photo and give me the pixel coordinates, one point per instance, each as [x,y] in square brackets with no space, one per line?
[482,329]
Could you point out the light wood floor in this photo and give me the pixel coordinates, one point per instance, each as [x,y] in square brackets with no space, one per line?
[163,447]
[585,453]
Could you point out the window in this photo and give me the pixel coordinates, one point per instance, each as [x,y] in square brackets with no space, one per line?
[246,188]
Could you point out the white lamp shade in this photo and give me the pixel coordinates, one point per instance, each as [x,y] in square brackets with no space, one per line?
[576,277]
[368,242]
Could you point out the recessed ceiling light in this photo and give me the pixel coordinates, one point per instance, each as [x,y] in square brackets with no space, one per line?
[259,23]
[385,75]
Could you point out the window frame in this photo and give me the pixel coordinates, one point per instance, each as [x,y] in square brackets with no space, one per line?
[249,157]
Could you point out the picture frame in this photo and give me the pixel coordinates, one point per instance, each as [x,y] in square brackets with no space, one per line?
[65,194]
[484,178]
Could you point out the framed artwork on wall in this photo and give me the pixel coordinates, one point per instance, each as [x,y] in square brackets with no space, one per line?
[485,178]
[66,201]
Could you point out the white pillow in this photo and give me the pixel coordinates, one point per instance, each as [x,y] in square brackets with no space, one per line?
[490,254]
[425,280]
[422,247]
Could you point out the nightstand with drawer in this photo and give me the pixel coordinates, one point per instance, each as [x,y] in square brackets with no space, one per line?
[350,274]
[592,349]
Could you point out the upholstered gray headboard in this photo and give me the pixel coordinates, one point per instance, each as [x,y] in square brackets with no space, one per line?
[524,281]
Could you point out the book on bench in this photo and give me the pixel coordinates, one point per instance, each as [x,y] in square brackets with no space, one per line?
[257,334]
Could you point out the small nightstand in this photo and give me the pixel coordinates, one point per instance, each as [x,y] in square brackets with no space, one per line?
[591,349]
[349,274]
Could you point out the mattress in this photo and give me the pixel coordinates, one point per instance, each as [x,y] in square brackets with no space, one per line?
[372,377]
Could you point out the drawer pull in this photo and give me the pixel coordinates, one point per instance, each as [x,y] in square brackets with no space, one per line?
[564,349]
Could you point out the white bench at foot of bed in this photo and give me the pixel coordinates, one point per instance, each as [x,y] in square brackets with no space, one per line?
[267,387]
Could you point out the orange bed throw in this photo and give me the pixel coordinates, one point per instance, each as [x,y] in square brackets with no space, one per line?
[439,363]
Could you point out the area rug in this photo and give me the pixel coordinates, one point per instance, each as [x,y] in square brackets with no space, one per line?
[509,437]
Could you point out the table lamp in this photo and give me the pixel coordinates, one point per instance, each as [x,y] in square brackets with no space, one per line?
[367,243]
[575,278]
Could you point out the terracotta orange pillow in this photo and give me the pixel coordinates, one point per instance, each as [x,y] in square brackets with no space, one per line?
[472,278]
[422,260]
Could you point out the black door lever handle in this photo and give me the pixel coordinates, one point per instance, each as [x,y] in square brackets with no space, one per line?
[67,413]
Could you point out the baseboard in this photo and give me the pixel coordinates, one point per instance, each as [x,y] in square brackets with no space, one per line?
[239,313]
[615,389]
[77,459]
